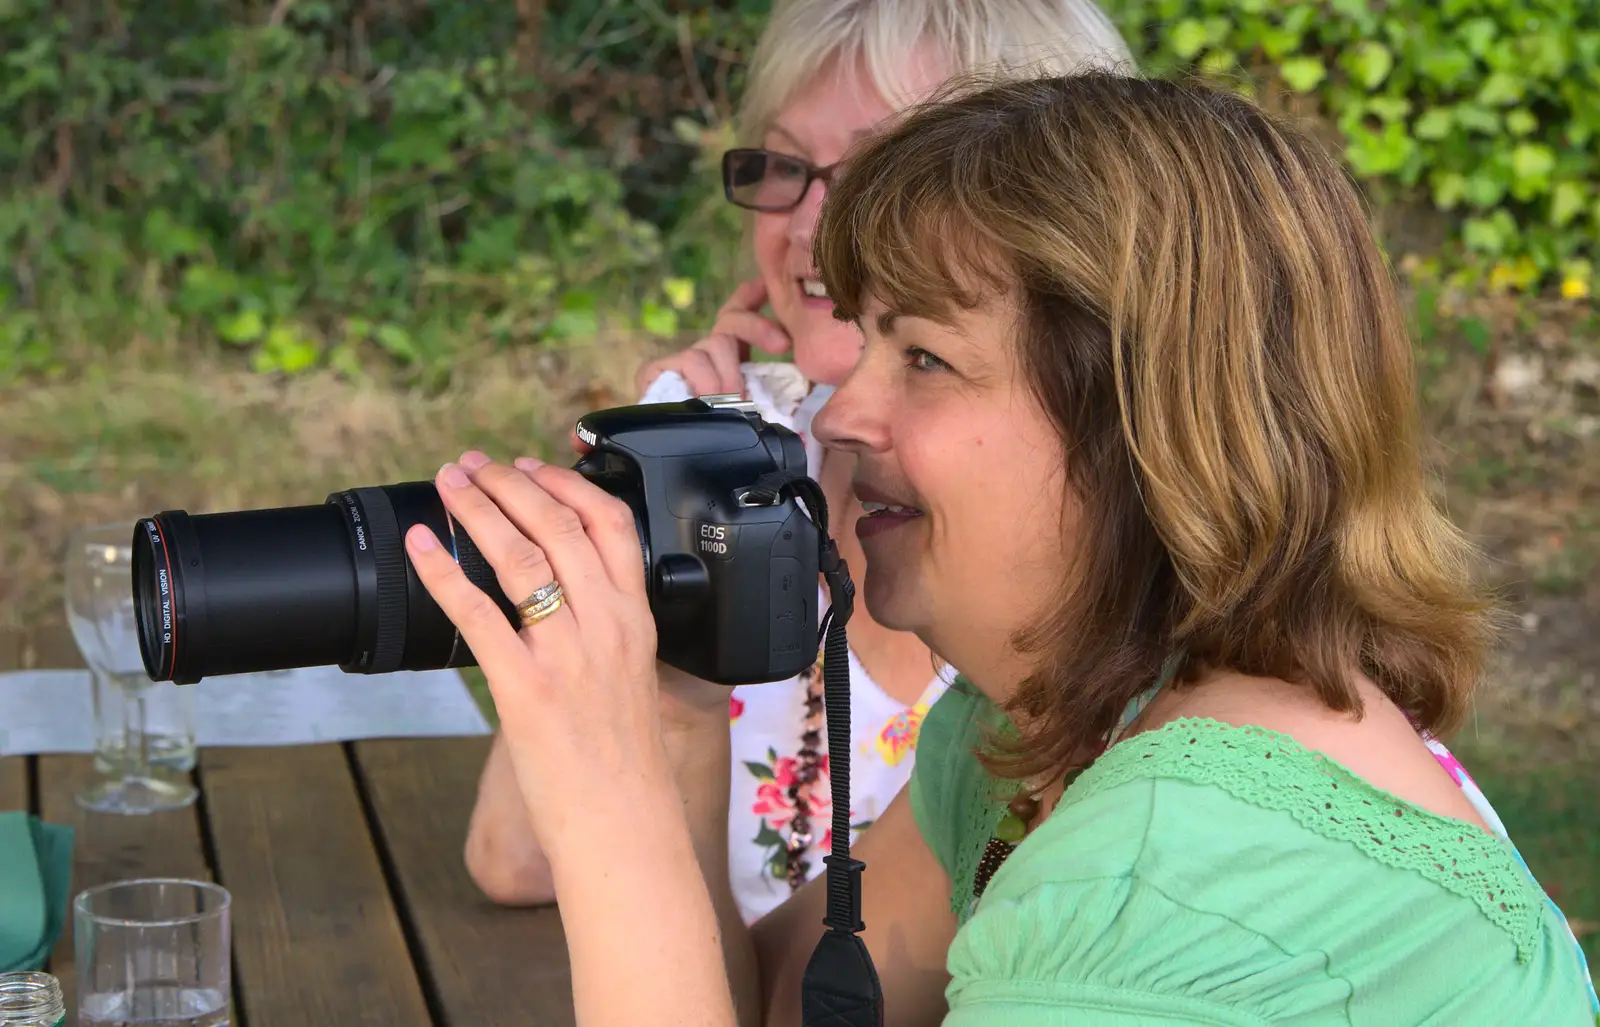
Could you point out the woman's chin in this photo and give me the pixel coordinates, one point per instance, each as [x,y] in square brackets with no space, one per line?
[886,604]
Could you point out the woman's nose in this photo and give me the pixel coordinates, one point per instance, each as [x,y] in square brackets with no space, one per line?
[803,219]
[856,417]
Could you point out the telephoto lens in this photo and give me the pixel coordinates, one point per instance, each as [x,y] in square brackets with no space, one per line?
[299,586]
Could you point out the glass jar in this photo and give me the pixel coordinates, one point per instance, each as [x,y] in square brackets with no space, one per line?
[31,1000]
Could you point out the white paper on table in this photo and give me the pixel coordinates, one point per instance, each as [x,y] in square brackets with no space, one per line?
[46,711]
[52,711]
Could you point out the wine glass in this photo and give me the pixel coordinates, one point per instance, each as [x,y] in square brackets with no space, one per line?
[99,573]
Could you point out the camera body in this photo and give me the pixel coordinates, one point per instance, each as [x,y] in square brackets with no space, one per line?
[731,570]
[732,579]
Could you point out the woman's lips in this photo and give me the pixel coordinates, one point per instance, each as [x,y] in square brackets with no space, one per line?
[881,513]
[874,525]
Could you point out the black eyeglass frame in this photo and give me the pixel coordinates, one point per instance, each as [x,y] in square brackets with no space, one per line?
[813,174]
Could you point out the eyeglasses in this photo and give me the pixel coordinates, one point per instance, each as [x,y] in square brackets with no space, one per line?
[767,181]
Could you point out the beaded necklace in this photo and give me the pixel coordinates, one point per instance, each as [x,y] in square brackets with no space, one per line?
[1017,821]
[808,762]
[1014,825]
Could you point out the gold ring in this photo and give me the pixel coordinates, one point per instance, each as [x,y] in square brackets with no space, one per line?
[541,604]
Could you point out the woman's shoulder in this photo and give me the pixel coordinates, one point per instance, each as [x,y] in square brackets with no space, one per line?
[1241,818]
[1218,870]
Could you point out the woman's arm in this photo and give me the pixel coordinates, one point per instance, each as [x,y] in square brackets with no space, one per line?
[641,924]
[503,856]
[612,901]
[905,900]
[625,773]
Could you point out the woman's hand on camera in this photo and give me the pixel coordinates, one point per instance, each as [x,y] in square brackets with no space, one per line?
[578,698]
[711,366]
[577,692]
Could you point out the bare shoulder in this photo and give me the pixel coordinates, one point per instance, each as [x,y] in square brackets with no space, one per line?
[1377,744]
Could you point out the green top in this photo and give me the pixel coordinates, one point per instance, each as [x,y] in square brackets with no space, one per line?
[1203,873]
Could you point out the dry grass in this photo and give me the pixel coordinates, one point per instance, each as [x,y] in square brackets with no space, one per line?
[127,439]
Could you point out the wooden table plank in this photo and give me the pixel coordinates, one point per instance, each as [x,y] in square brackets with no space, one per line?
[13,783]
[13,769]
[106,847]
[110,847]
[316,939]
[487,966]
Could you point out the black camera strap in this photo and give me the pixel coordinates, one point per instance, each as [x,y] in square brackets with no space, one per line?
[840,987]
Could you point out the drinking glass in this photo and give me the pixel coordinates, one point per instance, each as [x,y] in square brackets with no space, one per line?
[144,730]
[153,952]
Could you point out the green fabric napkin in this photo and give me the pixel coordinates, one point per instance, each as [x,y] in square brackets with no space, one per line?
[35,881]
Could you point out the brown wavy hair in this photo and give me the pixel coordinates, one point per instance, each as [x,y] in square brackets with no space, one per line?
[1217,339]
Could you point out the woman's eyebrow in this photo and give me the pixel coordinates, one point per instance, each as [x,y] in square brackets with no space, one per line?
[788,135]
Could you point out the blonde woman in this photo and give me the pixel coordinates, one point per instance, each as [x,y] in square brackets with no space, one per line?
[1136,379]
[825,74]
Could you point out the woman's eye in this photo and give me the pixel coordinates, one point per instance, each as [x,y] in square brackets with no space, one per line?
[921,360]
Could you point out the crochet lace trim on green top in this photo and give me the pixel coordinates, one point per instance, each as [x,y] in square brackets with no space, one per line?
[1273,771]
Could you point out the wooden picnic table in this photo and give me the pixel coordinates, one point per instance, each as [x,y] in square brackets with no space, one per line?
[350,901]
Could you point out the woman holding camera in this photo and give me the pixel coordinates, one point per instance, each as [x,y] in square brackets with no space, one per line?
[1135,426]
[824,74]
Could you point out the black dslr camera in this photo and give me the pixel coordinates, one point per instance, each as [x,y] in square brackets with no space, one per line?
[730,559]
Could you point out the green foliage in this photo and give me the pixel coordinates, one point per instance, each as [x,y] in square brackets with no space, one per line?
[1486,107]
[327,182]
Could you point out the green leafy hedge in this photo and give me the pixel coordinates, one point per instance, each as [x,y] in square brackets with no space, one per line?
[324,182]
[1490,109]
[333,181]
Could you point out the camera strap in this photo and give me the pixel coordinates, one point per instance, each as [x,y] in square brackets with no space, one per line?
[840,987]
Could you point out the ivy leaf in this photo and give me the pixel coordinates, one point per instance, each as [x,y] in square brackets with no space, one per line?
[1531,164]
[1188,38]
[1501,89]
[1477,33]
[1485,235]
[1484,191]
[397,342]
[241,329]
[761,771]
[1434,124]
[1521,122]
[1303,74]
[1389,108]
[1449,188]
[767,836]
[1218,62]
[658,320]
[168,238]
[1356,10]
[679,292]
[1369,63]
[577,317]
[1444,65]
[1567,200]
[291,352]
[1477,119]
[1380,153]
[1278,43]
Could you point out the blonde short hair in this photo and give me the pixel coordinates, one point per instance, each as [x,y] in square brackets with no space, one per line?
[1001,38]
